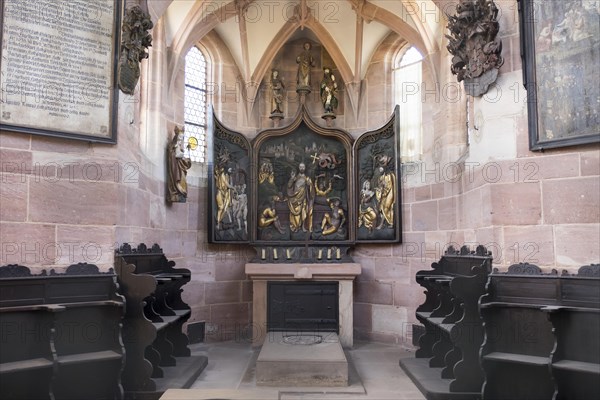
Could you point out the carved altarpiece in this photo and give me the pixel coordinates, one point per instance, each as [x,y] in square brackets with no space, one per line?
[304,192]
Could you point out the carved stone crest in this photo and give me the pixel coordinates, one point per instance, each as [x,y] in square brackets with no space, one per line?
[473,43]
[134,42]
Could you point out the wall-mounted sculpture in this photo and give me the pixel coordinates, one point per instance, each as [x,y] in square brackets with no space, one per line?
[329,88]
[277,92]
[178,164]
[277,97]
[328,92]
[296,187]
[305,62]
[134,42]
[473,44]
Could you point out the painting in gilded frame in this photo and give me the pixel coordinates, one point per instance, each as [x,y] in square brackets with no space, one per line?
[561,52]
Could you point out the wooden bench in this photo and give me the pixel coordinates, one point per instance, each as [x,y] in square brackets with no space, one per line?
[446,365]
[541,334]
[60,334]
[158,356]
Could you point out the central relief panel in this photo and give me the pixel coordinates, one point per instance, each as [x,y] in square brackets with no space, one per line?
[303,187]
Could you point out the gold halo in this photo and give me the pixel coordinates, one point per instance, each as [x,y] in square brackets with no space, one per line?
[193,143]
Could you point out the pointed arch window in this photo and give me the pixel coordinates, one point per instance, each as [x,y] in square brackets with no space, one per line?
[195,104]
[408,78]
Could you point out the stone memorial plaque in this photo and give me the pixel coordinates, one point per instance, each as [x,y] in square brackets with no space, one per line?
[58,67]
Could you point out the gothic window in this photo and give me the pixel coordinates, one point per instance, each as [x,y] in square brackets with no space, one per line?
[195,104]
[407,82]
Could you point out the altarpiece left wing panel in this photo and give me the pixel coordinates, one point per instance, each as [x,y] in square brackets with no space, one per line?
[229,166]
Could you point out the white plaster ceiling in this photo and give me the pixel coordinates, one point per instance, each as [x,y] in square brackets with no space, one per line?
[229,31]
[261,33]
[340,21]
[334,23]
[373,34]
[397,8]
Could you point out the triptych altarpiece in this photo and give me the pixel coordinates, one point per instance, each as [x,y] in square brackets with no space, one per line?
[304,186]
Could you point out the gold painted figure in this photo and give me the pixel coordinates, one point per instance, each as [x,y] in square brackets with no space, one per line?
[305,63]
[269,217]
[320,189]
[266,173]
[301,196]
[385,192]
[329,90]
[223,196]
[367,212]
[334,220]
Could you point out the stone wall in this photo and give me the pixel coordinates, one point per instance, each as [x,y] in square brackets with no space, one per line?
[525,206]
[474,186]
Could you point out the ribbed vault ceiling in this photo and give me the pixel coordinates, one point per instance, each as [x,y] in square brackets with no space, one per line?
[254,30]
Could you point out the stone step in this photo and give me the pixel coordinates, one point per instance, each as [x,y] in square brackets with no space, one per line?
[281,363]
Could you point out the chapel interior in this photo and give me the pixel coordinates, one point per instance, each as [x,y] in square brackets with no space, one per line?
[145,262]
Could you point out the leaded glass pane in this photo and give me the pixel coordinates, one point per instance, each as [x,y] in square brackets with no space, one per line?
[195,104]
[195,68]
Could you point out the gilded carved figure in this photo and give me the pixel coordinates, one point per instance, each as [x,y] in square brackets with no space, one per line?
[268,217]
[367,211]
[225,191]
[323,188]
[328,91]
[334,220]
[230,187]
[385,193]
[305,63]
[265,173]
[301,196]
[178,165]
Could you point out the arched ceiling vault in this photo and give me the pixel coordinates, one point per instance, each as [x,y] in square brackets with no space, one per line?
[255,30]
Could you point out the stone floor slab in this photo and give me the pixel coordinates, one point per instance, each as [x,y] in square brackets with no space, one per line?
[374,374]
[281,363]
